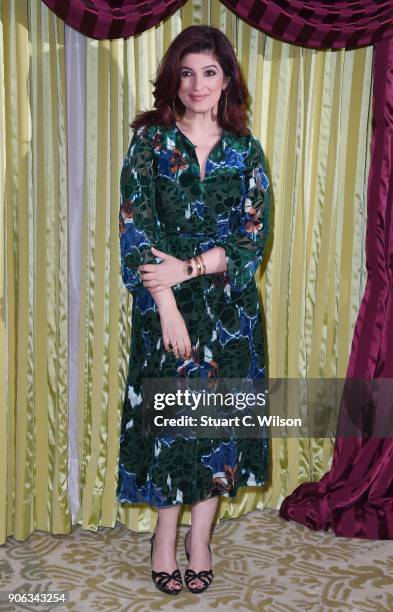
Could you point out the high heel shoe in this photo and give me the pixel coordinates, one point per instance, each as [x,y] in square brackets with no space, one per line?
[161,579]
[205,576]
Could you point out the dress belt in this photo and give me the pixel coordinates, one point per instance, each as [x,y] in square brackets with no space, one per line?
[183,235]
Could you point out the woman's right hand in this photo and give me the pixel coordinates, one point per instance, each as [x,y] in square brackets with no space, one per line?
[173,327]
[174,332]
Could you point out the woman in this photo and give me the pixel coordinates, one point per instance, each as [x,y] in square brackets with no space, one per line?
[193,226]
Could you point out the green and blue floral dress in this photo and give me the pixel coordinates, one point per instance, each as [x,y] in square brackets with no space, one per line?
[164,203]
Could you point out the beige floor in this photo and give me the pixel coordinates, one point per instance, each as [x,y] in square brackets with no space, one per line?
[260,562]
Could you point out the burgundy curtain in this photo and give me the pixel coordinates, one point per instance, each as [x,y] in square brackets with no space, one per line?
[355,498]
[320,23]
[107,19]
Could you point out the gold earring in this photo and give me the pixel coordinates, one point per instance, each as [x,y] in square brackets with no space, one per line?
[225,104]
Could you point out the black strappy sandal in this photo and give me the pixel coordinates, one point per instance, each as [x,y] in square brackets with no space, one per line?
[161,579]
[205,576]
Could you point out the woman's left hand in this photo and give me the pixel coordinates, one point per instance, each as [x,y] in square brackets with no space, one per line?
[165,274]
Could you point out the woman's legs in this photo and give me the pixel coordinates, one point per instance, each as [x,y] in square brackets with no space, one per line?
[202,515]
[164,553]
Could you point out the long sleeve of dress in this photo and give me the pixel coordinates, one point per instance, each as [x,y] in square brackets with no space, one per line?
[249,226]
[139,225]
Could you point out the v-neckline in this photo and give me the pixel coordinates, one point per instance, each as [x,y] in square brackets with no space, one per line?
[218,143]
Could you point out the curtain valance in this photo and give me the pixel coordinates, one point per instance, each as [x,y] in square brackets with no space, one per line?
[317,24]
[107,19]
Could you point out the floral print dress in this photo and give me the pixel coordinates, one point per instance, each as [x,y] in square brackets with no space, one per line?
[164,203]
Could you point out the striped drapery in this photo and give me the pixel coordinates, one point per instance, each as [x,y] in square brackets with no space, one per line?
[103,19]
[318,24]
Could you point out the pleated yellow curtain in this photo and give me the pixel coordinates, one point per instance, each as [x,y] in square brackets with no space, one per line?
[33,269]
[3,329]
[311,111]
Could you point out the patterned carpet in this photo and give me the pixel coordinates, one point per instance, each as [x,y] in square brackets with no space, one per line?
[260,563]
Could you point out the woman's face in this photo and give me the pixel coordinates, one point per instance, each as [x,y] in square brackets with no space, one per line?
[201,82]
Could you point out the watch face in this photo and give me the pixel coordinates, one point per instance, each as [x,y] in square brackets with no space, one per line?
[189,269]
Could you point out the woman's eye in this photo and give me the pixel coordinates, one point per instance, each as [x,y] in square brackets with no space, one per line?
[187,73]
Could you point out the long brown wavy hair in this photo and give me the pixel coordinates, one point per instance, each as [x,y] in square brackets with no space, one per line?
[168,108]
